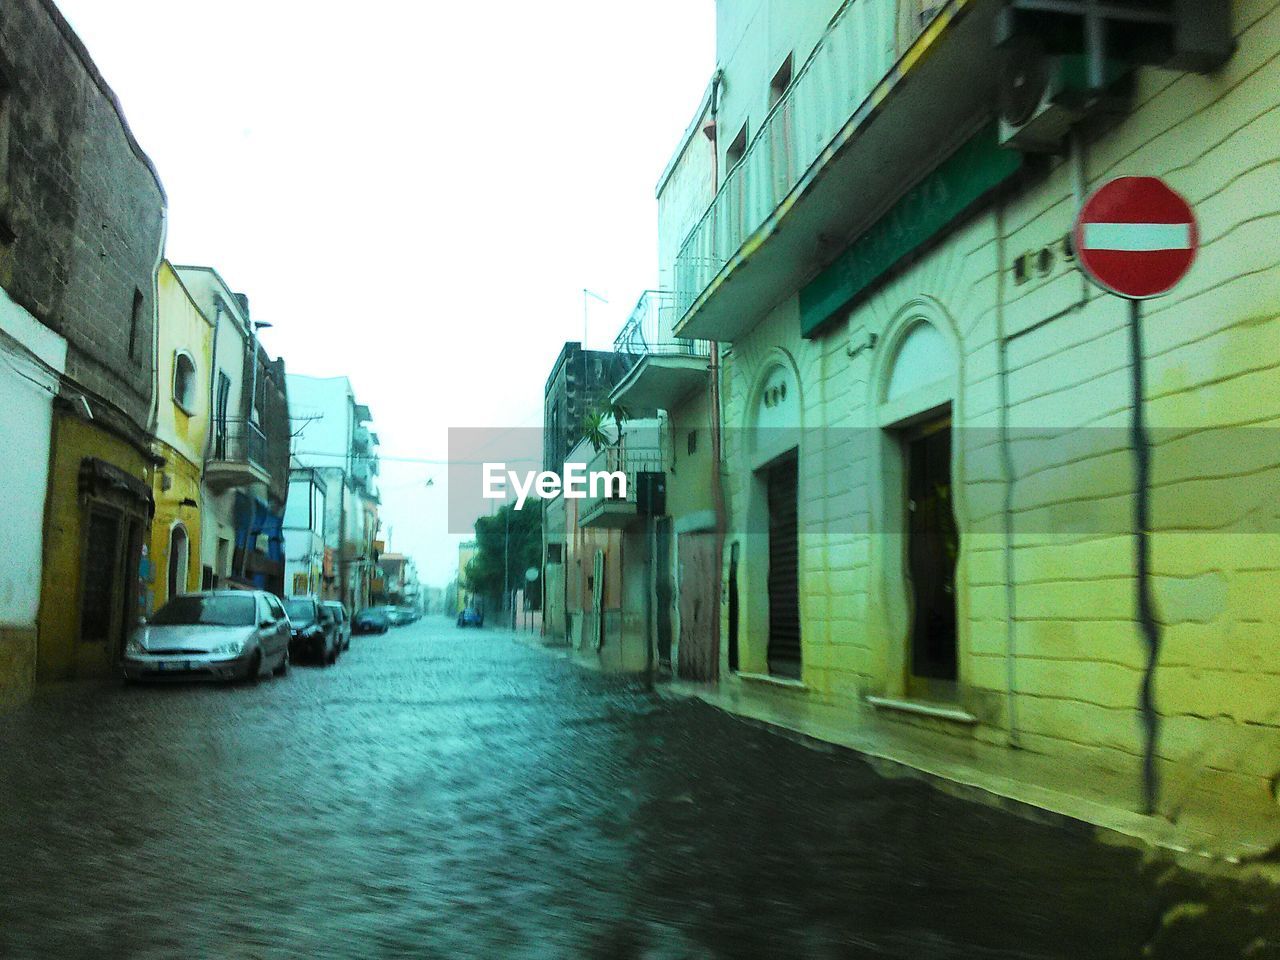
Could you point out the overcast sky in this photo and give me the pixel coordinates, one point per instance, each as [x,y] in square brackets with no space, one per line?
[413,193]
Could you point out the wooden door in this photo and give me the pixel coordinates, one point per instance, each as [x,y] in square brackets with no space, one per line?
[699,651]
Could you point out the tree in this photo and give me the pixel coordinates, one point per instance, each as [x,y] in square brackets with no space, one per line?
[484,571]
[595,426]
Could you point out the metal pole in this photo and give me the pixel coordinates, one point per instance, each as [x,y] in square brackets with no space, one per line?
[1147,622]
[506,562]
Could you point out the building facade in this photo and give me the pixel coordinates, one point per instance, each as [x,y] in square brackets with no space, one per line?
[81,234]
[332,437]
[184,362]
[246,455]
[925,408]
[304,533]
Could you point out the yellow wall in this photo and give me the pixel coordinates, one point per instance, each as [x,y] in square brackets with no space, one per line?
[182,327]
[184,479]
[61,654]
[181,431]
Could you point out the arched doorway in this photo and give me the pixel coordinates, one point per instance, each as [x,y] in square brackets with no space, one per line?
[179,559]
[773,525]
[915,400]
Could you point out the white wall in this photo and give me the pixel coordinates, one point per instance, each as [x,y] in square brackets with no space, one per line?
[26,419]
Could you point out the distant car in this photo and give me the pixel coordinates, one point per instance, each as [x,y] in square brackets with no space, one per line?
[409,614]
[315,633]
[214,635]
[370,620]
[395,615]
[338,610]
[471,617]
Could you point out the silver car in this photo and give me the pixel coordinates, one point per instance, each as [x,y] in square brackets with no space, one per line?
[338,610]
[215,635]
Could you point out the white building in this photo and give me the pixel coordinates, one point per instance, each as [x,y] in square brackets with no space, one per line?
[332,437]
[929,540]
[304,531]
[34,358]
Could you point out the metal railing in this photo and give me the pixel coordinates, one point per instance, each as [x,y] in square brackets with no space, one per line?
[860,46]
[628,460]
[239,441]
[648,330]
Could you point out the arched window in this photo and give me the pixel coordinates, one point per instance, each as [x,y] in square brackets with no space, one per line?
[184,381]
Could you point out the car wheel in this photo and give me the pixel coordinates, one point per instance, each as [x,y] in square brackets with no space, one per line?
[254,673]
[283,668]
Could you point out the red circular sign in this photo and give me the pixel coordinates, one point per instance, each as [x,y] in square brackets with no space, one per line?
[1136,237]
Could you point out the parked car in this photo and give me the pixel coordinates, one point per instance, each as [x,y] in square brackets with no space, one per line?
[471,617]
[395,615]
[338,609]
[409,614]
[370,620]
[213,635]
[315,633]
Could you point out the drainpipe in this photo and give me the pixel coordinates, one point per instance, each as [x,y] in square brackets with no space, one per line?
[153,421]
[717,418]
[1006,457]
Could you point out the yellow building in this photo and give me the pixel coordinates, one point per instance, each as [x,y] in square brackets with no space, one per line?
[184,348]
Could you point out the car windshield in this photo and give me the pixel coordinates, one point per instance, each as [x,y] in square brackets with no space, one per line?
[300,611]
[209,611]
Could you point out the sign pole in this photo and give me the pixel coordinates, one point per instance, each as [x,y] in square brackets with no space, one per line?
[1147,622]
[1137,237]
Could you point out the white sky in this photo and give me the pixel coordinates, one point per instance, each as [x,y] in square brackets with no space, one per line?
[413,193]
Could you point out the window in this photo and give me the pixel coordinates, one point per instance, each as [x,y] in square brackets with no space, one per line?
[737,149]
[135,321]
[277,611]
[555,553]
[692,442]
[215,611]
[184,381]
[781,82]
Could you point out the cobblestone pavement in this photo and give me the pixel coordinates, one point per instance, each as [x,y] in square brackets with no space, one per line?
[446,793]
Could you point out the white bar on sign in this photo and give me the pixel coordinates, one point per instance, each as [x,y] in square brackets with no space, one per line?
[1137,237]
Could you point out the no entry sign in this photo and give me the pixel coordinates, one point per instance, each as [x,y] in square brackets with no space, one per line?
[1136,237]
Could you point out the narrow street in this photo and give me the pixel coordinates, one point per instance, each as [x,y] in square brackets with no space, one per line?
[446,793]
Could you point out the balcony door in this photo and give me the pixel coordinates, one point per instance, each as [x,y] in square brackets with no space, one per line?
[221,407]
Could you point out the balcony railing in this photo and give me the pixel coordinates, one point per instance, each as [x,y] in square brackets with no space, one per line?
[608,506]
[647,331]
[859,48]
[238,455]
[239,440]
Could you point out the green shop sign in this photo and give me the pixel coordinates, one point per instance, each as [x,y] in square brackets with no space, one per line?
[921,214]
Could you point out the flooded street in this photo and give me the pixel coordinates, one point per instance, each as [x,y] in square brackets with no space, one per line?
[446,793]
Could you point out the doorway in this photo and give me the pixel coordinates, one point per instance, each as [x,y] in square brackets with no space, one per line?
[699,649]
[179,558]
[782,485]
[933,544]
[663,588]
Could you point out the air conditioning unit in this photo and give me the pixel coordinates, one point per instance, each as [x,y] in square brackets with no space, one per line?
[1042,96]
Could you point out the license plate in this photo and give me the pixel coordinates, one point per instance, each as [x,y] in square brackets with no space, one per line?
[165,665]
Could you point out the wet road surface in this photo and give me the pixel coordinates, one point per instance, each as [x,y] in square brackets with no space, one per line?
[446,793]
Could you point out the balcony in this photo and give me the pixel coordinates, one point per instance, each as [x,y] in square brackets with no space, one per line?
[238,456]
[619,512]
[874,110]
[666,369]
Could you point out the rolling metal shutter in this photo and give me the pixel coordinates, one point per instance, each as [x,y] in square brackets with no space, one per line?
[784,570]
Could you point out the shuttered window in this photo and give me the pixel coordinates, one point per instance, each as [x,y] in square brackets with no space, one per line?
[784,570]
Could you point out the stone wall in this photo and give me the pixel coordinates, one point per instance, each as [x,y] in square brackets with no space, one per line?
[82,212]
